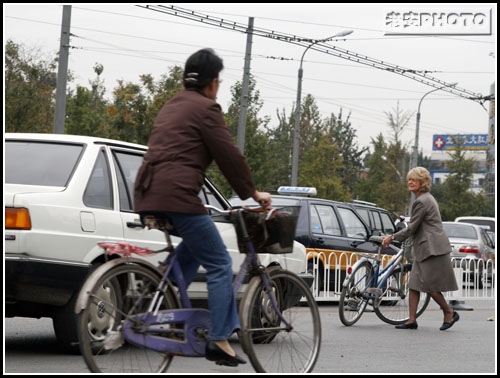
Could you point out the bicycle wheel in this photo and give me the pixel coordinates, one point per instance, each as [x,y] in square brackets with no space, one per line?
[120,292]
[271,345]
[393,305]
[353,299]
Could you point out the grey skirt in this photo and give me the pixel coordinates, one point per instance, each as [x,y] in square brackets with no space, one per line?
[433,274]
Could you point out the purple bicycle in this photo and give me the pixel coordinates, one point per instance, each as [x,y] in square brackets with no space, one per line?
[133,319]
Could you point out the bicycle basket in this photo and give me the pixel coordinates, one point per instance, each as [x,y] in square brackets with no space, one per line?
[272,235]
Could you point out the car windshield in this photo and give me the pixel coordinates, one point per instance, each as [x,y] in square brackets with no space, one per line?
[460,231]
[33,163]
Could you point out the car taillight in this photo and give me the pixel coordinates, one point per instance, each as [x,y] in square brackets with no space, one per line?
[469,249]
[18,219]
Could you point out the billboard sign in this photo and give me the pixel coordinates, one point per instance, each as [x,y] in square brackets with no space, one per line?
[444,142]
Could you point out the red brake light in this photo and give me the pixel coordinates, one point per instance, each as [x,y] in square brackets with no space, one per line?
[469,249]
[18,219]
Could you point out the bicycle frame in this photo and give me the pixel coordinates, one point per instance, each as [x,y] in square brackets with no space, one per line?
[160,330]
[380,275]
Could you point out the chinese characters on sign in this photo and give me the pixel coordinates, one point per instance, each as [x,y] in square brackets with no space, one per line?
[438,21]
[442,142]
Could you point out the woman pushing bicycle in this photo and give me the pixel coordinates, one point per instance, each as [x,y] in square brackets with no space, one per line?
[432,271]
[188,135]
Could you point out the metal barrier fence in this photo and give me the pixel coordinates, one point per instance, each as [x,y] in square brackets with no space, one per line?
[476,279]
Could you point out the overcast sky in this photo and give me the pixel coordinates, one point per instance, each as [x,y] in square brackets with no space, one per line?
[129,41]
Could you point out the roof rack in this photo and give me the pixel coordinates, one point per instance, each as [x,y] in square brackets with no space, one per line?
[365,203]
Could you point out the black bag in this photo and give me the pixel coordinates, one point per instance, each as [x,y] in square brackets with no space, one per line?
[270,232]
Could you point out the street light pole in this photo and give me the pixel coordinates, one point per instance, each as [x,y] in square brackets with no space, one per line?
[296,134]
[414,156]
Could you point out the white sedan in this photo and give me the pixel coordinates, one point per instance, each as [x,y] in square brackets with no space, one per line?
[63,194]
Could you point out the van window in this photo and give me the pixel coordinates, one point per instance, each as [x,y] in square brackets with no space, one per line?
[354,227]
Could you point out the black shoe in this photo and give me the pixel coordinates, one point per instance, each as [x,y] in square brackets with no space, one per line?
[214,353]
[413,325]
[445,325]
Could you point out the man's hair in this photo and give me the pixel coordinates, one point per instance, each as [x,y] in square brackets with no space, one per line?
[201,68]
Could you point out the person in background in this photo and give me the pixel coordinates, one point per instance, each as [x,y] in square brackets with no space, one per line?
[432,271]
[188,135]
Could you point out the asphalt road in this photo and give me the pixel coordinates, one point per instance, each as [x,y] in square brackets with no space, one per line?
[370,346]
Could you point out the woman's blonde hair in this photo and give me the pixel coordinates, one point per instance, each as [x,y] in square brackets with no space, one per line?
[421,174]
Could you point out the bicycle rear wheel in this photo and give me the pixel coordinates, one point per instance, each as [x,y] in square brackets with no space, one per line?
[353,297]
[393,305]
[119,292]
[271,345]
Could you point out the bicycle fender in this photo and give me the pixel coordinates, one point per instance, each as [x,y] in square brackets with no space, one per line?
[83,296]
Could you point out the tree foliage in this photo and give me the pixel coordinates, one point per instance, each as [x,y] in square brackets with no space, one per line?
[329,156]
[30,83]
[458,199]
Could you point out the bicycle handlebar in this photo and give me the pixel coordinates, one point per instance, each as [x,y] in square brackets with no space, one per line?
[378,240]
[231,211]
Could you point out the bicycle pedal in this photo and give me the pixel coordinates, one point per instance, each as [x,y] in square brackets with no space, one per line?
[374,290]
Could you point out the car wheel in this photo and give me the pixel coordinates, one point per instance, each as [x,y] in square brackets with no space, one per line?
[481,279]
[65,323]
[319,278]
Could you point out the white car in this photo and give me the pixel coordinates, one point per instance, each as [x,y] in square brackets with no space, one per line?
[63,194]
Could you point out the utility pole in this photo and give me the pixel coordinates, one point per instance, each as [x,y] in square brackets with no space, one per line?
[62,72]
[244,88]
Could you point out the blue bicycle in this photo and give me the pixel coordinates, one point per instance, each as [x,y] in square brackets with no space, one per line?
[385,287]
[133,319]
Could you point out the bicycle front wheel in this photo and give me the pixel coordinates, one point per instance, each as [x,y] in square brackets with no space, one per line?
[353,297]
[119,293]
[287,341]
[392,306]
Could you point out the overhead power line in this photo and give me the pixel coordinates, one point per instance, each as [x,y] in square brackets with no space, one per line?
[417,75]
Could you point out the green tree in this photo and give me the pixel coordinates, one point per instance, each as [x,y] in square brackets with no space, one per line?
[394,195]
[325,157]
[280,144]
[310,133]
[350,162]
[86,109]
[255,146]
[30,82]
[457,198]
[372,184]
[384,181]
[135,106]
[158,93]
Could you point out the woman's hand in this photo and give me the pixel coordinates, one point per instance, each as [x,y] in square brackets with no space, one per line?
[387,240]
[263,198]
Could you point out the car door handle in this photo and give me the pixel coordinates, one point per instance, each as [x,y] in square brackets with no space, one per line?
[135,225]
[356,243]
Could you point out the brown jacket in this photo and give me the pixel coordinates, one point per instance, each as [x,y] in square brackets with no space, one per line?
[188,135]
[426,229]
